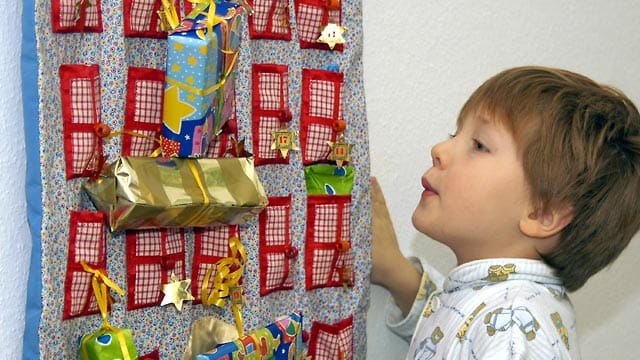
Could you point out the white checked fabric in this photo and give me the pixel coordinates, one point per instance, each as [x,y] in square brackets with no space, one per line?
[86,243]
[263,10]
[211,245]
[332,342]
[141,15]
[275,235]
[153,255]
[68,13]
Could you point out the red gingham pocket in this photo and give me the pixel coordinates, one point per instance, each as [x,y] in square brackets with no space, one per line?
[152,255]
[86,243]
[311,17]
[81,112]
[143,111]
[330,342]
[141,18]
[270,20]
[211,245]
[270,110]
[276,252]
[321,106]
[67,17]
[328,261]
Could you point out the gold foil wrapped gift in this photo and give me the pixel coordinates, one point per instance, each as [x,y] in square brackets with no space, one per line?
[146,192]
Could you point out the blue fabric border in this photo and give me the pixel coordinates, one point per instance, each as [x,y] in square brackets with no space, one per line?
[33,184]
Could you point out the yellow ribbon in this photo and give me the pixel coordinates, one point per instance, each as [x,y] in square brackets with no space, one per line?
[100,282]
[228,273]
[154,153]
[101,285]
[169,18]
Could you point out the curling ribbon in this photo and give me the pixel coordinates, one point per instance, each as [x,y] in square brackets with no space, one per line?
[228,273]
[101,285]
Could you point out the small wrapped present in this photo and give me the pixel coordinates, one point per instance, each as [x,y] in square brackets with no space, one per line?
[108,343]
[281,340]
[147,193]
[199,84]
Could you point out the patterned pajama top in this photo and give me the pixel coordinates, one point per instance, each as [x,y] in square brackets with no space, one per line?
[489,309]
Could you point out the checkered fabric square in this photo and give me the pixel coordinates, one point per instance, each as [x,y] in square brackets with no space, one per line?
[80,98]
[328,223]
[66,16]
[152,255]
[143,111]
[270,20]
[331,341]
[211,245]
[276,252]
[311,16]
[321,106]
[87,243]
[141,18]
[270,100]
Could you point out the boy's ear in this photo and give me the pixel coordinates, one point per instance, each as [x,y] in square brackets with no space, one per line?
[538,224]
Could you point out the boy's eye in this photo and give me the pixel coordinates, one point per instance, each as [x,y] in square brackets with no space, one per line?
[478,146]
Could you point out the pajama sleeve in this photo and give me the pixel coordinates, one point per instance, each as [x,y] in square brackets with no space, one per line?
[432,281]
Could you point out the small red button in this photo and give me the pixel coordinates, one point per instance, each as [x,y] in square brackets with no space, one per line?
[339,125]
[101,130]
[343,245]
[290,252]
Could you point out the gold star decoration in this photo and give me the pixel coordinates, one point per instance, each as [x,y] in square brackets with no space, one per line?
[340,151]
[175,292]
[283,140]
[331,35]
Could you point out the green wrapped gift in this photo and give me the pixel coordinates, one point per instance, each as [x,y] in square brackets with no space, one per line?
[108,343]
[325,179]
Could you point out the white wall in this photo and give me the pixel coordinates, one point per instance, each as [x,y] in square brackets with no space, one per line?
[422,59]
[15,244]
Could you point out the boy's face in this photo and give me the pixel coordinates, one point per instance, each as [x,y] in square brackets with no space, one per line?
[475,193]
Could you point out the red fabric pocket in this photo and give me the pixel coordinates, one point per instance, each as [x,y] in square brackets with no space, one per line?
[269,110]
[81,113]
[141,18]
[76,16]
[321,107]
[331,341]
[277,254]
[143,111]
[328,258]
[211,245]
[311,17]
[87,243]
[152,255]
[270,20]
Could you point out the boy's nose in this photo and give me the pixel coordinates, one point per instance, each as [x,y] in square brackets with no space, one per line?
[436,156]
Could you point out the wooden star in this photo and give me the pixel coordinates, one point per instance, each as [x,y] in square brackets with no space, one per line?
[283,140]
[331,35]
[175,292]
[340,151]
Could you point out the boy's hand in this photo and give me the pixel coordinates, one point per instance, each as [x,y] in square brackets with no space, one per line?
[390,268]
[385,251]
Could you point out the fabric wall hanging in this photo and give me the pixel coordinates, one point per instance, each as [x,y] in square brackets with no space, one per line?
[281,80]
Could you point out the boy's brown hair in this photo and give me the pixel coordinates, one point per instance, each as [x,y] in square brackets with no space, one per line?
[579,142]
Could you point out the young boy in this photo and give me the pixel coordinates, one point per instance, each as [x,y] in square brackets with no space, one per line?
[538,189]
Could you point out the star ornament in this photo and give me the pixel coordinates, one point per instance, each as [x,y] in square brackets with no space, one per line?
[340,151]
[331,35]
[283,140]
[175,292]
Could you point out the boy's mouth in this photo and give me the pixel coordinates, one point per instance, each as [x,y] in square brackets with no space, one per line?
[427,186]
